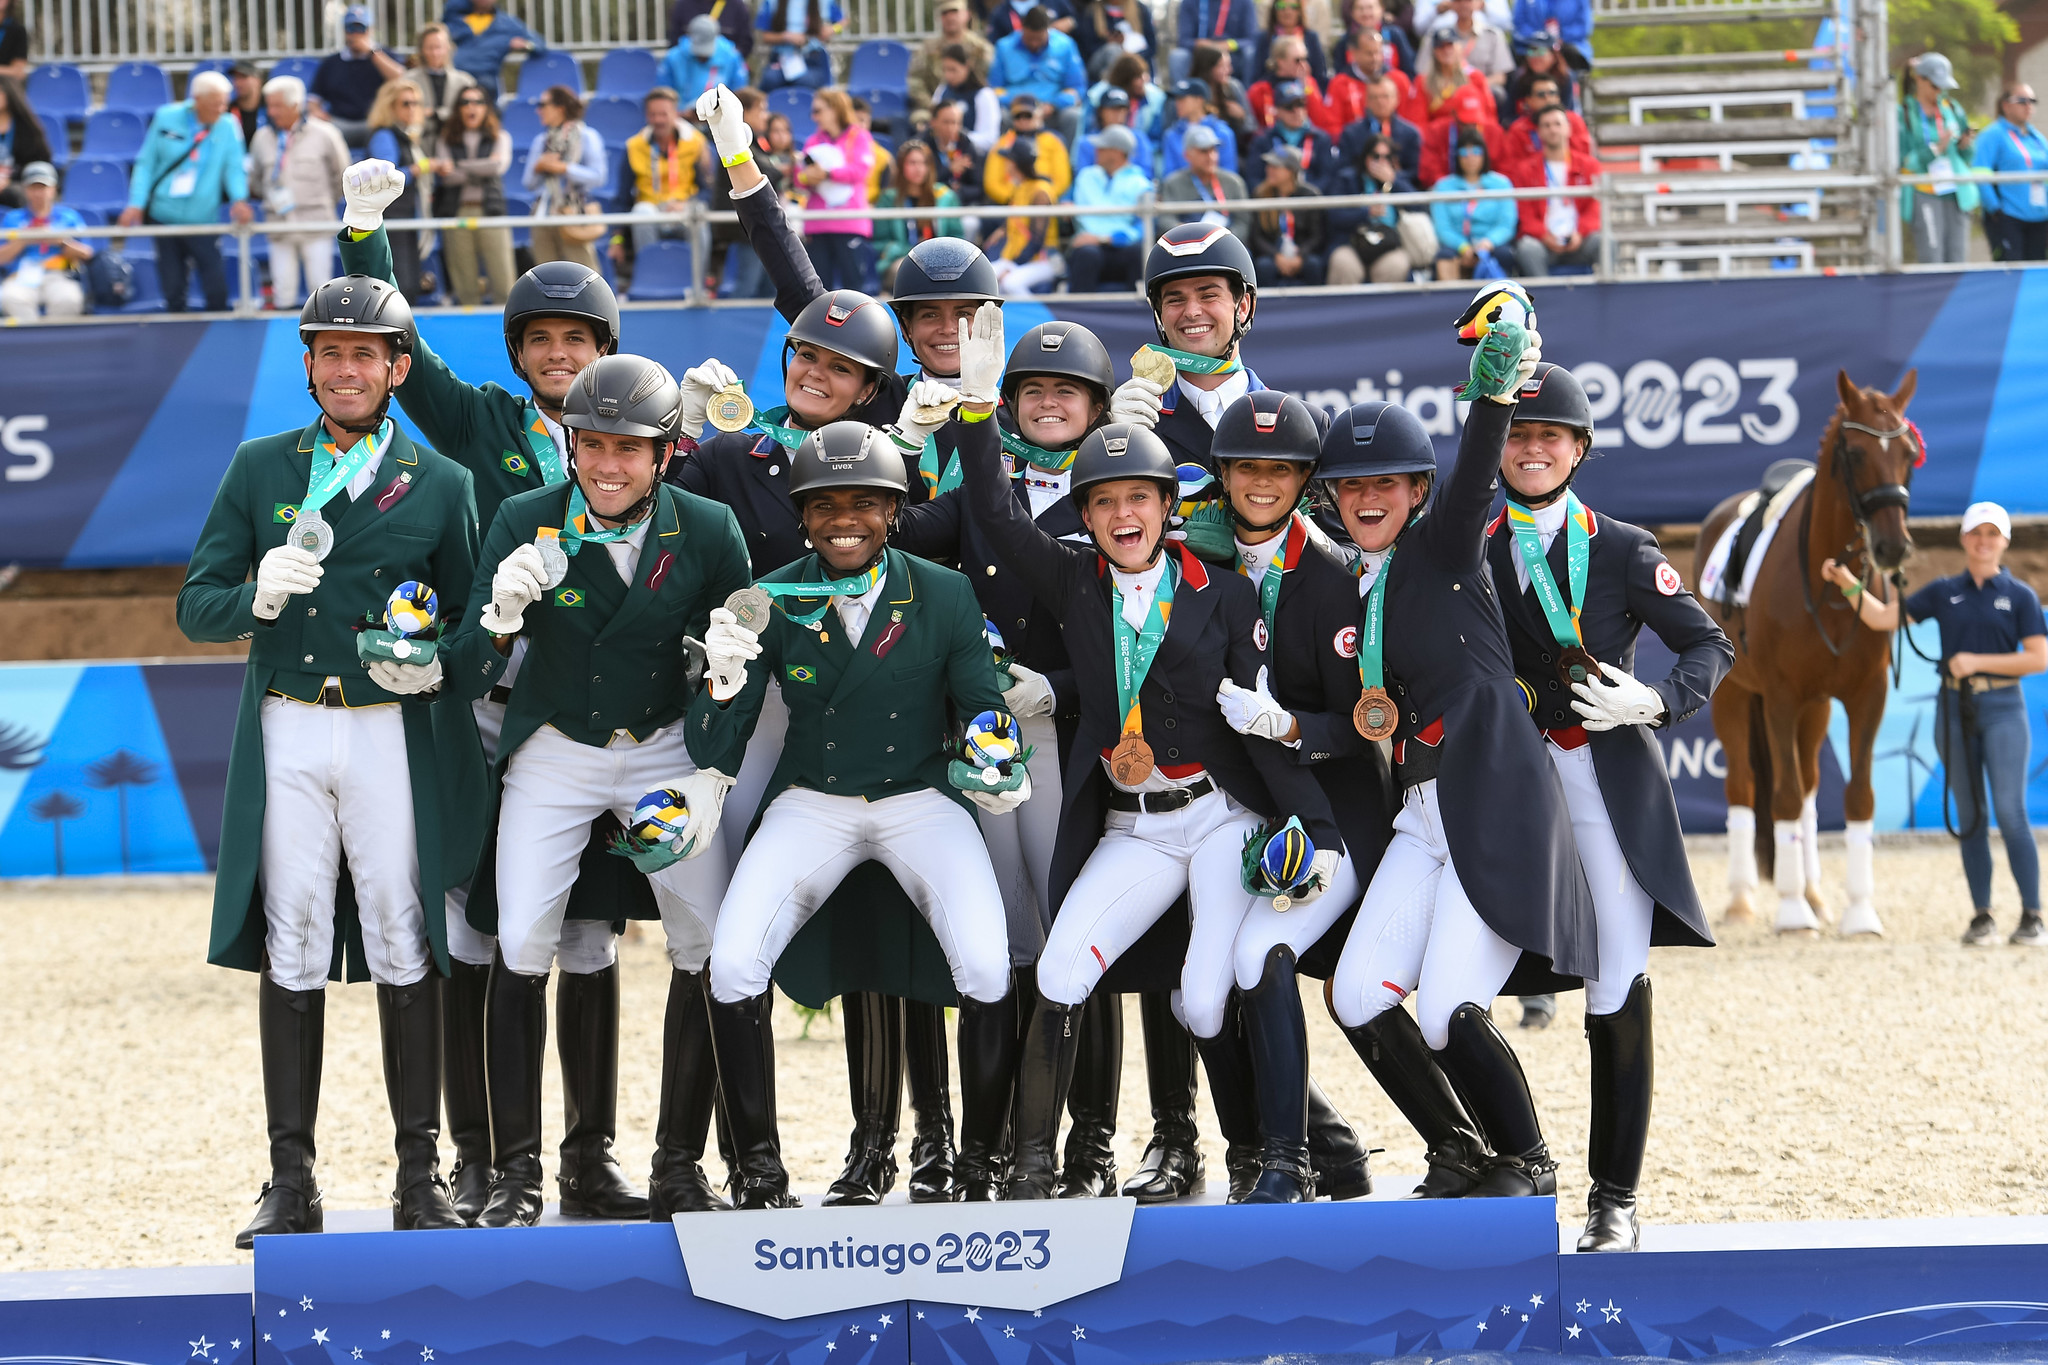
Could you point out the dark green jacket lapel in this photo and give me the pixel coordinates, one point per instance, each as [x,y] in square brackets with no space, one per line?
[399,468]
[885,628]
[664,537]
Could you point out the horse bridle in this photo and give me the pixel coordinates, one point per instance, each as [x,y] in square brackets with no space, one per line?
[1863,505]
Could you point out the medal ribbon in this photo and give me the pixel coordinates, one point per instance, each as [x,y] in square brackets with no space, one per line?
[577,534]
[1372,669]
[1269,585]
[1135,649]
[332,470]
[936,480]
[542,445]
[775,423]
[1187,362]
[855,585]
[1562,615]
[1038,457]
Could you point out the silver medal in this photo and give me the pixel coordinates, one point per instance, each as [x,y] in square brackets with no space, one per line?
[311,533]
[990,777]
[554,562]
[750,607]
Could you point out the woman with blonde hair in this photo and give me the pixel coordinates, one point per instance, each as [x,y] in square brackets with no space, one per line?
[395,122]
[834,173]
[470,160]
[563,166]
[439,80]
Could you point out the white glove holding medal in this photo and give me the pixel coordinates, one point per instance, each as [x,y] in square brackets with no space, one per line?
[406,680]
[718,110]
[703,794]
[698,386]
[727,647]
[1621,700]
[1321,869]
[1028,694]
[367,188]
[929,394]
[982,356]
[1001,803]
[1137,401]
[521,580]
[1253,710]
[283,572]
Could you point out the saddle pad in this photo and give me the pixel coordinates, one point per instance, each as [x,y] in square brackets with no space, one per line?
[1713,584]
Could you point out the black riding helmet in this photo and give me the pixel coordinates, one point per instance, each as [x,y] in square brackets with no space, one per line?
[846,454]
[940,270]
[849,323]
[561,289]
[1267,424]
[1201,249]
[1553,394]
[1123,450]
[358,303]
[1065,349]
[626,395]
[1371,439]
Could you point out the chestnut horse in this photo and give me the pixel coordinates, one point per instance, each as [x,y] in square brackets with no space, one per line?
[1798,646]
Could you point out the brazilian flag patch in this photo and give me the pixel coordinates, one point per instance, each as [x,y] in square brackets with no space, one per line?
[568,597]
[286,512]
[799,673]
[514,463]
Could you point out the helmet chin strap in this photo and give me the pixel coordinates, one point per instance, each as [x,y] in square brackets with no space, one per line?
[376,419]
[1554,494]
[641,506]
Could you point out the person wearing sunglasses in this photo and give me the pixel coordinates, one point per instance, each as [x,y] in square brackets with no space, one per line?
[2015,214]
[471,157]
[395,123]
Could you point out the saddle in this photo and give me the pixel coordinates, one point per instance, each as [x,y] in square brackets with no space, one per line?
[1755,512]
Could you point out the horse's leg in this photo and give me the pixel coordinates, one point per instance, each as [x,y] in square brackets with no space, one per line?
[1813,732]
[1731,726]
[1788,793]
[1859,804]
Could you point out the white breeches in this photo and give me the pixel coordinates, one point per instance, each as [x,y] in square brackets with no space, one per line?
[764,751]
[807,843]
[1140,867]
[1621,908]
[554,788]
[337,782]
[300,260]
[1296,928]
[1417,933]
[1020,845]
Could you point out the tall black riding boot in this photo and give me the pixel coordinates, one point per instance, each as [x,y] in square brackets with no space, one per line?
[1172,1165]
[409,1019]
[1622,1082]
[516,1040]
[1335,1150]
[463,997]
[1278,1037]
[1391,1046]
[1228,1059]
[292,1026]
[1089,1168]
[1045,1070]
[592,1182]
[874,1075]
[742,1035]
[1484,1069]
[988,1094]
[689,1090]
[927,1070]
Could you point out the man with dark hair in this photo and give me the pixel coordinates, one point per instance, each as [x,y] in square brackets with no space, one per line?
[1039,61]
[1520,140]
[346,83]
[1560,230]
[665,163]
[1382,98]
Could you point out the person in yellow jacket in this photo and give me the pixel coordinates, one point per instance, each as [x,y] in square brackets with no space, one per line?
[664,161]
[999,175]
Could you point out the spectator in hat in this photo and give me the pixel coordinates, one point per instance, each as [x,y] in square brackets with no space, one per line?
[702,60]
[190,164]
[956,28]
[735,21]
[247,105]
[1287,243]
[1039,61]
[1365,243]
[796,32]
[2015,215]
[1005,19]
[295,166]
[1313,149]
[1049,155]
[1364,59]
[1025,250]
[345,84]
[1469,118]
[1541,22]
[1472,235]
[1108,248]
[1560,230]
[981,112]
[1203,180]
[1935,141]
[1108,29]
[1131,74]
[439,80]
[1114,111]
[42,277]
[1192,111]
[485,40]
[22,141]
[1519,140]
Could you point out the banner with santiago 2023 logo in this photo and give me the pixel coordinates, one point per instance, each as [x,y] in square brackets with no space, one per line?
[791,1263]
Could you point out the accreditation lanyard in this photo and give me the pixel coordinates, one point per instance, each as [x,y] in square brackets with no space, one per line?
[1135,649]
[199,136]
[577,533]
[542,445]
[1372,645]
[666,168]
[332,470]
[2020,147]
[1562,614]
[855,585]
[1038,457]
[1269,584]
[775,422]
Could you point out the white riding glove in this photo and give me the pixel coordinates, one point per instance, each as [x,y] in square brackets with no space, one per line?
[934,396]
[1321,869]
[1137,401]
[521,580]
[1253,711]
[1001,803]
[718,109]
[982,355]
[406,680]
[366,189]
[1526,369]
[698,386]
[703,794]
[727,647]
[1621,700]
[1028,694]
[283,572]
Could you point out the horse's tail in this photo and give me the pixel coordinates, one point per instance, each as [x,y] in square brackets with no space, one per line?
[1762,785]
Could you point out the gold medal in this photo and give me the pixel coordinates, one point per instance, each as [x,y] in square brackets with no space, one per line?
[1130,762]
[1375,716]
[1147,363]
[932,416]
[730,409]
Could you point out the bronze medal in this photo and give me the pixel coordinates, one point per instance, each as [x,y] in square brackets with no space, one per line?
[1130,762]
[730,409]
[1575,665]
[1375,716]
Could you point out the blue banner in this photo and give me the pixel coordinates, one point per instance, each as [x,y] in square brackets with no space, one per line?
[113,438]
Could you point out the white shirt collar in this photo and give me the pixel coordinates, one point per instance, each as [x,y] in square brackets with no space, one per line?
[1258,558]
[1549,521]
[1370,562]
[1211,402]
[625,551]
[1137,590]
[854,611]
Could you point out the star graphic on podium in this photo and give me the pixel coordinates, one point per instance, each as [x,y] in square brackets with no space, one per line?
[920,1315]
[1504,1310]
[1610,1312]
[1581,1306]
[1535,1300]
[319,1336]
[235,1345]
[973,1315]
[200,1347]
[356,1354]
[1574,1331]
[831,1346]
[1080,1334]
[426,1353]
[305,1305]
[1038,1312]
[885,1320]
[1482,1325]
[385,1335]
[1009,1331]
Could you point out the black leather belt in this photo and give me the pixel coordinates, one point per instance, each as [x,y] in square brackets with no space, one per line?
[330,697]
[1159,803]
[500,695]
[1419,763]
[1980,682]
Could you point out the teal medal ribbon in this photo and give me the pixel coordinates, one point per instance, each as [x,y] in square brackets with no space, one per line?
[1269,583]
[1562,614]
[332,470]
[1038,457]
[1187,362]
[574,537]
[937,480]
[855,585]
[1374,716]
[1135,649]
[775,423]
[542,445]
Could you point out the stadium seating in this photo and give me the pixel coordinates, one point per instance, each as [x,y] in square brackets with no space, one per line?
[661,271]
[302,67]
[615,119]
[59,91]
[549,68]
[879,64]
[138,86]
[794,103]
[224,65]
[519,206]
[149,294]
[114,135]
[887,104]
[521,122]
[627,73]
[98,184]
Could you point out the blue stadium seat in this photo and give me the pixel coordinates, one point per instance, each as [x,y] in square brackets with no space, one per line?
[139,86]
[549,68]
[615,168]
[627,72]
[794,103]
[662,271]
[59,91]
[149,294]
[224,65]
[615,119]
[302,67]
[885,103]
[879,63]
[521,122]
[114,135]
[97,184]
[518,206]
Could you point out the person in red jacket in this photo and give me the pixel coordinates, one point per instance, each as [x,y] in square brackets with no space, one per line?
[1363,60]
[1445,76]
[1559,230]
[1470,115]
[1289,62]
[1519,142]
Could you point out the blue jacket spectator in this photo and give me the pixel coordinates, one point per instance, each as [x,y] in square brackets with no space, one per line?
[1319,161]
[1143,158]
[1005,19]
[796,32]
[735,21]
[189,166]
[1234,22]
[1570,20]
[346,82]
[484,38]
[1405,136]
[1149,115]
[1051,73]
[1097,188]
[1108,248]
[704,58]
[1172,158]
[1467,222]
[2015,215]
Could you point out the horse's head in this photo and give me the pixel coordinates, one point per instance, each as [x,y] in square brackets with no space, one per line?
[1873,455]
